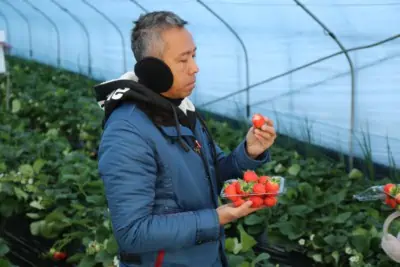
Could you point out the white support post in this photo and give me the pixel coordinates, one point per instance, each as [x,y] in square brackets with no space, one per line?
[3,67]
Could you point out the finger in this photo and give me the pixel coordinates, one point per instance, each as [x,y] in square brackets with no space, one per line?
[259,137]
[245,206]
[267,128]
[268,121]
[266,135]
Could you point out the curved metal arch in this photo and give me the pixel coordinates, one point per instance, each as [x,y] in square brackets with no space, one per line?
[53,24]
[352,107]
[7,26]
[116,28]
[139,6]
[244,51]
[82,25]
[27,24]
[272,78]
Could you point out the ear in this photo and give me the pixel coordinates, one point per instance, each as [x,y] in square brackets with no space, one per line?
[154,74]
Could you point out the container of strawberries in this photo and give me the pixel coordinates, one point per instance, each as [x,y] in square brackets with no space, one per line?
[263,191]
[389,193]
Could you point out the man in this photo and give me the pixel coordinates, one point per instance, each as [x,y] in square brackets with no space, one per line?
[162,171]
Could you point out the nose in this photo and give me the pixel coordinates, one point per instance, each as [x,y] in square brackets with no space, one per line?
[193,67]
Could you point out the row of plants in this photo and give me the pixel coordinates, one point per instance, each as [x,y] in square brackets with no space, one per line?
[48,175]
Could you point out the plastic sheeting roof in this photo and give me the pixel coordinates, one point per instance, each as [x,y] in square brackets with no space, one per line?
[314,103]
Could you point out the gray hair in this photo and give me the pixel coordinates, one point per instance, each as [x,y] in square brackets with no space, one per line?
[146,37]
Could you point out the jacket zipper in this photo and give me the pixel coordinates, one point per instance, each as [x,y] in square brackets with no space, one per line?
[199,151]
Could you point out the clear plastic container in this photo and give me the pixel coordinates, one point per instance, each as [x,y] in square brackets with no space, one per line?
[371,194]
[389,194]
[247,191]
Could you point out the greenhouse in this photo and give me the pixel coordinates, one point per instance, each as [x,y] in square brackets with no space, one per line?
[325,76]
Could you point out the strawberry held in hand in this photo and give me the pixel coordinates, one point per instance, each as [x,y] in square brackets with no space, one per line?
[257,201]
[258,121]
[263,179]
[250,176]
[230,192]
[258,189]
[272,186]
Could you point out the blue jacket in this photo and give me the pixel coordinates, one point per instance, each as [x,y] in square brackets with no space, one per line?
[161,197]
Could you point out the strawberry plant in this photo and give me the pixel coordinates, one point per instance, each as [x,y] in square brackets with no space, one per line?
[48,174]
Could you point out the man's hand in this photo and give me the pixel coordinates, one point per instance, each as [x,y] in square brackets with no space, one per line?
[228,213]
[259,140]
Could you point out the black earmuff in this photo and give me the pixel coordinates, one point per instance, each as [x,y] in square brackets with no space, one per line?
[154,74]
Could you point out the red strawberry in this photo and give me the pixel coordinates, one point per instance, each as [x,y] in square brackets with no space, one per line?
[263,179]
[389,189]
[239,188]
[258,189]
[270,201]
[397,198]
[59,255]
[257,201]
[250,176]
[238,202]
[258,120]
[271,187]
[230,192]
[391,202]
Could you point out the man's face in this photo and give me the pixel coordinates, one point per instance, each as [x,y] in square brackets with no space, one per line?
[179,53]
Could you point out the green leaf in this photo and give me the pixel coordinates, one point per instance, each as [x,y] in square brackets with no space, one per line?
[95,199]
[260,258]
[6,188]
[247,240]
[337,198]
[5,263]
[245,264]
[306,190]
[26,170]
[20,193]
[3,167]
[299,210]
[76,257]
[335,241]
[3,248]
[33,215]
[255,230]
[342,218]
[294,169]
[15,106]
[112,246]
[87,261]
[336,256]
[35,204]
[36,227]
[279,168]
[235,260]
[317,257]
[38,165]
[233,245]
[102,256]
[253,219]
[360,242]
[102,233]
[355,174]
[290,229]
